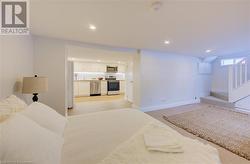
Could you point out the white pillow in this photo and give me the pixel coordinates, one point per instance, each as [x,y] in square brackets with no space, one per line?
[5,111]
[10,105]
[13,103]
[46,117]
[24,140]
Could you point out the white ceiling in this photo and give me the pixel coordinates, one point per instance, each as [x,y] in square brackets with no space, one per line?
[192,26]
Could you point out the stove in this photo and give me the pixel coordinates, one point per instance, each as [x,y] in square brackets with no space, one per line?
[113,87]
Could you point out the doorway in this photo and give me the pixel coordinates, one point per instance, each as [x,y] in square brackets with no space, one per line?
[99,85]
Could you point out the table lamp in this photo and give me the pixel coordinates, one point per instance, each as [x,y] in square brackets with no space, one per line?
[35,85]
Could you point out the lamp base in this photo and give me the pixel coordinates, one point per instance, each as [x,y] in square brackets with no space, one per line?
[35,97]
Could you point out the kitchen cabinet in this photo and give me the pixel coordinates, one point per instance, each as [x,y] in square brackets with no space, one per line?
[85,67]
[122,86]
[96,67]
[76,86]
[89,67]
[84,88]
[81,88]
[104,88]
[121,68]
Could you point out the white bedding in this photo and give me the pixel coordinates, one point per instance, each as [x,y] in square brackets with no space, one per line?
[134,151]
[94,137]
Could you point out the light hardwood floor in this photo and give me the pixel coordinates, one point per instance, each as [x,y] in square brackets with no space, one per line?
[84,105]
[226,156]
[98,98]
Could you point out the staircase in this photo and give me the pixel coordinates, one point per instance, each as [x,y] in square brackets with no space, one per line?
[238,95]
[219,99]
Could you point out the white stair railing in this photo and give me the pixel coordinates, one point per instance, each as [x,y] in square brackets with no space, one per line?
[238,84]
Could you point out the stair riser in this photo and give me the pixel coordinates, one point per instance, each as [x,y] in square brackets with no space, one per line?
[219,96]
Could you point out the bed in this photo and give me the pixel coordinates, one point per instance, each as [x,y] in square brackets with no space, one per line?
[108,137]
[105,137]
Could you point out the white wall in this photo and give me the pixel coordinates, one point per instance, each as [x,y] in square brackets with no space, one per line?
[169,80]
[1,67]
[80,51]
[219,77]
[160,79]
[248,67]
[50,61]
[16,61]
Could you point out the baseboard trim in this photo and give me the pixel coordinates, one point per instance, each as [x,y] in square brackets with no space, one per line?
[169,105]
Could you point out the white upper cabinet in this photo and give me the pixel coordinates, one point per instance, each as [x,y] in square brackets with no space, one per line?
[101,67]
[96,67]
[89,67]
[82,67]
[121,68]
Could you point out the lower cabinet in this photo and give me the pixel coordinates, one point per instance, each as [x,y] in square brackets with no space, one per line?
[76,88]
[84,88]
[81,88]
[104,88]
[122,86]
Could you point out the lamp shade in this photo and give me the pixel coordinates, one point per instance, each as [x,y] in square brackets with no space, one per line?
[35,84]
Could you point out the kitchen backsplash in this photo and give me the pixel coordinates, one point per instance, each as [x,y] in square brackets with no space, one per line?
[96,75]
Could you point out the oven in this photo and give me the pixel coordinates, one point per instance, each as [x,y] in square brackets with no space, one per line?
[113,87]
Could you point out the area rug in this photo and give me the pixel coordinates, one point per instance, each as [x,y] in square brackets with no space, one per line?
[226,128]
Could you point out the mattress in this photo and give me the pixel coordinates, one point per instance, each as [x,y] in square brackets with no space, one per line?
[94,137]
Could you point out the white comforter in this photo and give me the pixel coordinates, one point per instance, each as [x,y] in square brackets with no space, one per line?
[115,137]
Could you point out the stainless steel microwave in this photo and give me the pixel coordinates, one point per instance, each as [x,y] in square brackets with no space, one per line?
[111,69]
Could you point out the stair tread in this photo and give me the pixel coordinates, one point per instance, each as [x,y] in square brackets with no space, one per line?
[220,95]
[223,93]
[215,99]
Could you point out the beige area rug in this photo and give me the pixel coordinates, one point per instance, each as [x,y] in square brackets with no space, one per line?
[224,127]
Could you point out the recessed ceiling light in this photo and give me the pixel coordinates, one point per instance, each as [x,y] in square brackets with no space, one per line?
[92,27]
[156,5]
[208,51]
[166,42]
